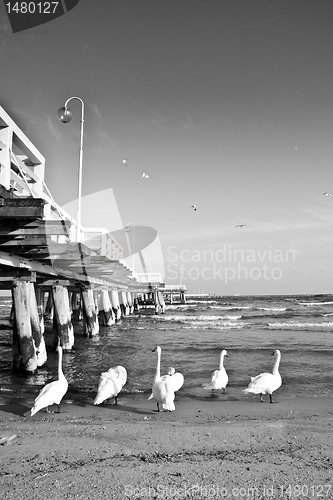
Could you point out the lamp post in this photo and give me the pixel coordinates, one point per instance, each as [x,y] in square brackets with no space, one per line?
[127,230]
[65,116]
[180,276]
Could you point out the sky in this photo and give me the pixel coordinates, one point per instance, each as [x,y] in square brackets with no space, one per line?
[226,105]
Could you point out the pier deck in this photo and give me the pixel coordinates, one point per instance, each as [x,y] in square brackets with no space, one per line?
[43,251]
[37,237]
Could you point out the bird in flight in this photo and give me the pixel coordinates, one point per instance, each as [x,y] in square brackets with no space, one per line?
[241,225]
[194,207]
[144,176]
[328,194]
[125,161]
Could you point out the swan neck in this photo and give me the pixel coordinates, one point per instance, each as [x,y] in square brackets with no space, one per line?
[221,360]
[60,373]
[276,365]
[158,366]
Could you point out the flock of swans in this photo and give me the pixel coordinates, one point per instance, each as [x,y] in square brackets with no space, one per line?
[164,387]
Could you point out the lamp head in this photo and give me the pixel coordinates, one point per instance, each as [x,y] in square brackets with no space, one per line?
[64,114]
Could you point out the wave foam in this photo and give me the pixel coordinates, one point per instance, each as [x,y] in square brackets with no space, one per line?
[298,324]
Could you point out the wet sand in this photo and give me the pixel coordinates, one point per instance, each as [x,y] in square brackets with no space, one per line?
[210,448]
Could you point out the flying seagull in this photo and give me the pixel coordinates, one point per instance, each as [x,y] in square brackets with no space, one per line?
[328,194]
[144,176]
[194,207]
[125,161]
[241,225]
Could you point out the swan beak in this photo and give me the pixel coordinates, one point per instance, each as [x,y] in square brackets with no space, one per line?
[154,349]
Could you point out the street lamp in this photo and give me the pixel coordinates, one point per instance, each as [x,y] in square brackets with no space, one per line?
[180,276]
[65,116]
[127,230]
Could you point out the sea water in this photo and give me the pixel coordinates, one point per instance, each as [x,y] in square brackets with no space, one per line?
[192,336]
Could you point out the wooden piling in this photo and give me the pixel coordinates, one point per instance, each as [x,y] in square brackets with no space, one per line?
[158,308]
[49,310]
[11,315]
[161,301]
[101,315]
[136,304]
[63,332]
[115,304]
[24,355]
[36,329]
[76,306]
[40,298]
[95,296]
[124,304]
[106,314]
[130,302]
[90,320]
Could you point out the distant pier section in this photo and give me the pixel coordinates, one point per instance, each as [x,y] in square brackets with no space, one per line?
[52,272]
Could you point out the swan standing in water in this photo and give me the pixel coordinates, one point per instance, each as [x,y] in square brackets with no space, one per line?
[219,378]
[164,388]
[110,384]
[53,392]
[266,382]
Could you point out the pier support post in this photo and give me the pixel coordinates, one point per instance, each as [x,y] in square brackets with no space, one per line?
[11,315]
[130,302]
[161,301]
[106,314]
[40,298]
[36,329]
[95,295]
[90,320]
[124,304]
[63,331]
[24,354]
[49,310]
[182,298]
[136,304]
[158,309]
[115,304]
[76,306]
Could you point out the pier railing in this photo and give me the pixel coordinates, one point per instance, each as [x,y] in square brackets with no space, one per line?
[148,277]
[175,288]
[22,170]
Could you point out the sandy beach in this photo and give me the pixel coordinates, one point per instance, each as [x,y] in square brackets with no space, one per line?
[210,448]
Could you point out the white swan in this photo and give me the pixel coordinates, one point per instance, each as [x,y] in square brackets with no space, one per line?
[110,384]
[219,378]
[53,392]
[164,387]
[266,382]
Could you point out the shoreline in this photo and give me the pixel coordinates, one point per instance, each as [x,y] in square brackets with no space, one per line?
[132,451]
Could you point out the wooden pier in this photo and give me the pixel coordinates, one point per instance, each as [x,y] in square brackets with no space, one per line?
[175,294]
[49,272]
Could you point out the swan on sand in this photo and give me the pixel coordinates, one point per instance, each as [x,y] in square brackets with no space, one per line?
[164,388]
[110,384]
[219,379]
[53,392]
[266,382]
